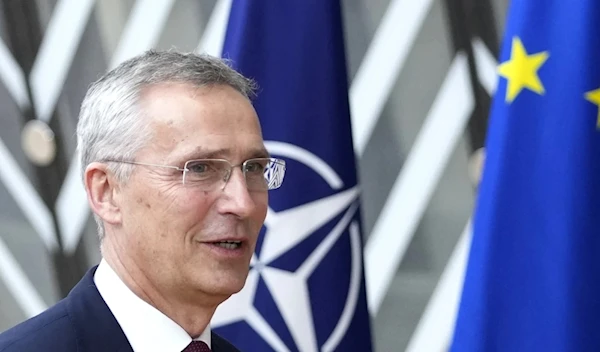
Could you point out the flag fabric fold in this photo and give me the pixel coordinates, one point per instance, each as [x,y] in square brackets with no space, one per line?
[532,280]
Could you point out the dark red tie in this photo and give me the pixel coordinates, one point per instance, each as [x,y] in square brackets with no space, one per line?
[197,346]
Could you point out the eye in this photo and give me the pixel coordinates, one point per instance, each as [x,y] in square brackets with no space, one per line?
[199,167]
[256,166]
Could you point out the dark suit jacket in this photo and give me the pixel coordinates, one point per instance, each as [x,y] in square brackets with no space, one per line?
[81,322]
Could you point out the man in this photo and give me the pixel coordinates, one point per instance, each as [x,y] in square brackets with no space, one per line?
[177,176]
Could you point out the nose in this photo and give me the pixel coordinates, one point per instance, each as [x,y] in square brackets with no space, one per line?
[236,199]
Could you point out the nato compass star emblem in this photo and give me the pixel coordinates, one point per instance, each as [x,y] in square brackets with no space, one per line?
[290,293]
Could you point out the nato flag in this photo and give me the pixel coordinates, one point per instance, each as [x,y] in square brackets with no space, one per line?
[532,281]
[305,290]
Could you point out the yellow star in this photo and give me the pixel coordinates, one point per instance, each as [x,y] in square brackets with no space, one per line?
[594,97]
[521,70]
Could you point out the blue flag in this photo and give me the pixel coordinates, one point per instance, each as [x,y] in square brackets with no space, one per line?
[305,290]
[533,276]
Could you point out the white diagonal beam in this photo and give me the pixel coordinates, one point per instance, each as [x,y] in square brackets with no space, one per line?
[18,284]
[214,34]
[72,209]
[144,26]
[411,192]
[434,331]
[13,78]
[381,65]
[486,66]
[27,198]
[56,53]
[48,74]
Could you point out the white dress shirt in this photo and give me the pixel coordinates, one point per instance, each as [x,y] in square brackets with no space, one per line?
[146,328]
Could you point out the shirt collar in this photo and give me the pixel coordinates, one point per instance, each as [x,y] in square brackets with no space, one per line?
[146,328]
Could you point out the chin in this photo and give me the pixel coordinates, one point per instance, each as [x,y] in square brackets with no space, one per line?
[226,287]
[225,291]
[236,285]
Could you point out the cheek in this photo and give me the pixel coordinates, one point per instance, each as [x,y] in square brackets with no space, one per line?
[193,206]
[154,209]
[262,203]
[143,204]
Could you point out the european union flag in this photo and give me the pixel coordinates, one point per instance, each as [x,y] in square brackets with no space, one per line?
[305,290]
[533,276]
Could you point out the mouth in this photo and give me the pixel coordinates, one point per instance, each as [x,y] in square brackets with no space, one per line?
[227,248]
[228,244]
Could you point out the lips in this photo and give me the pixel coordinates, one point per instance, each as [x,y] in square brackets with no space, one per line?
[228,244]
[228,249]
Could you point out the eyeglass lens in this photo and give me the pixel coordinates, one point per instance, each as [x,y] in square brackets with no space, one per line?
[261,174]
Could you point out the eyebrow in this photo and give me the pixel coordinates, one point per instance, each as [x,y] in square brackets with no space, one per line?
[259,153]
[204,153]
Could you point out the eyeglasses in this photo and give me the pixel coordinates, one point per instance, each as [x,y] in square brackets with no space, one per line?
[261,174]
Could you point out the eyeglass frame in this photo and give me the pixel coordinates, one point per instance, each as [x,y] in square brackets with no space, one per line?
[185,169]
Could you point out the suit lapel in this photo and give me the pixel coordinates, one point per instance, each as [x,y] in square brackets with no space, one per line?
[96,328]
[221,345]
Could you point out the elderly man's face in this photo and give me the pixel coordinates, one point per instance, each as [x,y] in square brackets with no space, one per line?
[173,229]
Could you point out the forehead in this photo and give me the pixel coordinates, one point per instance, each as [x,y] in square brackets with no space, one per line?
[187,120]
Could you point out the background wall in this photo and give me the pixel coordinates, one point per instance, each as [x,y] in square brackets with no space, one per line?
[396,157]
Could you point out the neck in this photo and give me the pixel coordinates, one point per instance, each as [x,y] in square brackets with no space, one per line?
[189,312]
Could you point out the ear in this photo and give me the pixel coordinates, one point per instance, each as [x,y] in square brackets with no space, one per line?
[101,188]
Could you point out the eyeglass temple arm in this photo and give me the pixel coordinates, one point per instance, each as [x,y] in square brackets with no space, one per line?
[148,164]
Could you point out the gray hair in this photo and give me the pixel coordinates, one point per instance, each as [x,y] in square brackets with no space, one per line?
[111,124]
